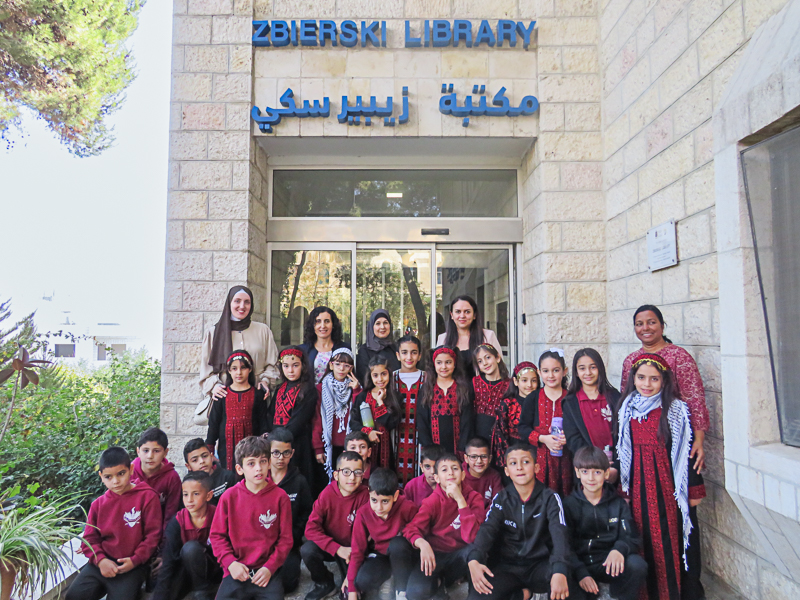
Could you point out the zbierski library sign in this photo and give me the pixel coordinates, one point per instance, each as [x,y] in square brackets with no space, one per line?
[435,33]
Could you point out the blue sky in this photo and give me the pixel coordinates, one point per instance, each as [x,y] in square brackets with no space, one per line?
[92,229]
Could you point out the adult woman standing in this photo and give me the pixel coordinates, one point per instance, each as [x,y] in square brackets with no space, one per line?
[321,336]
[235,331]
[464,331]
[379,343]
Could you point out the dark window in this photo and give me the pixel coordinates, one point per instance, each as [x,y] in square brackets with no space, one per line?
[65,350]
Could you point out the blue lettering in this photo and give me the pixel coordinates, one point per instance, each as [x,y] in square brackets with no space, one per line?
[280,33]
[349,34]
[485,35]
[294,33]
[462,30]
[442,36]
[327,31]
[308,33]
[411,42]
[383,34]
[427,33]
[368,34]
[505,31]
[525,32]
[260,33]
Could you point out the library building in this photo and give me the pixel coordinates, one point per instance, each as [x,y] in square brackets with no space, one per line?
[560,162]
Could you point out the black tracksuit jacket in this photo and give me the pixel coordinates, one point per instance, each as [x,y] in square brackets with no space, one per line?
[299,492]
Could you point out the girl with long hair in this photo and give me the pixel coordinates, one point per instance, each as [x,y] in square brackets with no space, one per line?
[406,384]
[490,386]
[507,431]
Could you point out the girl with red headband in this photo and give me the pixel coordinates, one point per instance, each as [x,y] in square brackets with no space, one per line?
[490,386]
[507,427]
[243,411]
[445,411]
[654,440]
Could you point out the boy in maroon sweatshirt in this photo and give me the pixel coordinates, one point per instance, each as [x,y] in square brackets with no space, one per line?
[188,565]
[479,476]
[376,531]
[422,486]
[442,531]
[152,467]
[330,526]
[358,441]
[252,529]
[122,533]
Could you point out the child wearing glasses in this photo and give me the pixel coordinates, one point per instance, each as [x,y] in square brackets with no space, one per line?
[478,475]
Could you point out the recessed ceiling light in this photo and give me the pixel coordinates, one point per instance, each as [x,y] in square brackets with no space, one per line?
[394,194]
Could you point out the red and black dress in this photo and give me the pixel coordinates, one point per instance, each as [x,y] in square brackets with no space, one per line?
[441,421]
[655,511]
[292,407]
[554,471]
[506,429]
[488,395]
[237,416]
[406,446]
[385,423]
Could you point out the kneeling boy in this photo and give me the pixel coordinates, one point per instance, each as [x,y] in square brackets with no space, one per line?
[603,533]
[122,532]
[479,475]
[374,557]
[423,485]
[198,457]
[188,565]
[252,529]
[526,527]
[442,530]
[330,526]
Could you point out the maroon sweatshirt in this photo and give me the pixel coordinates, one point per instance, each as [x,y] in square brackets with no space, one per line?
[417,490]
[253,529]
[486,486]
[166,483]
[330,525]
[123,526]
[370,527]
[443,525]
[191,533]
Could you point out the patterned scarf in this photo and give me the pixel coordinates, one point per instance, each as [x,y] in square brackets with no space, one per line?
[638,407]
[335,401]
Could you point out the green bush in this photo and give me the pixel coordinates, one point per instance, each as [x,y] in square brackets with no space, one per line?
[58,432]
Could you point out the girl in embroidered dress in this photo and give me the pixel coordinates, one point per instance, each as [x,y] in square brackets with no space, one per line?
[538,413]
[509,411]
[654,441]
[242,413]
[490,386]
[406,383]
[445,414]
[337,391]
[292,406]
[382,401]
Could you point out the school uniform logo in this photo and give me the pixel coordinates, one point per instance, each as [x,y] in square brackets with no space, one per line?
[267,520]
[510,523]
[488,494]
[132,518]
[351,518]
[457,523]
[613,520]
[292,497]
[606,412]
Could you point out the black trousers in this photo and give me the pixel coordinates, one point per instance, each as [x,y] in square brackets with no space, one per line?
[290,571]
[315,559]
[233,589]
[450,567]
[624,586]
[199,571]
[509,581]
[378,568]
[91,585]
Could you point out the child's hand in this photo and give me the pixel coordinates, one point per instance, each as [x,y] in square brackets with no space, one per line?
[321,459]
[453,490]
[427,559]
[156,566]
[380,395]
[352,596]
[344,552]
[353,381]
[264,386]
[107,568]
[695,501]
[262,577]
[478,573]
[589,585]
[238,571]
[126,564]
[615,563]
[559,590]
[218,392]
[375,436]
[553,444]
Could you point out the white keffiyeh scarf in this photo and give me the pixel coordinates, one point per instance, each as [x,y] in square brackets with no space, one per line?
[335,401]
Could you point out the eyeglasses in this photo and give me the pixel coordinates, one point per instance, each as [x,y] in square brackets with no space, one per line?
[348,472]
[478,456]
[284,454]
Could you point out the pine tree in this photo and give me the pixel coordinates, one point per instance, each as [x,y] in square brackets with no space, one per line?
[22,332]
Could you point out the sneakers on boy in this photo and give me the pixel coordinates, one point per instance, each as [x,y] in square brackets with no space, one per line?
[321,590]
[399,596]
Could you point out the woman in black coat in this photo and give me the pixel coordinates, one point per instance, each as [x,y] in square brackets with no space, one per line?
[379,343]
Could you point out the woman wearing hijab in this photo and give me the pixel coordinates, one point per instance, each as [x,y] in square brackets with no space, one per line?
[235,331]
[379,343]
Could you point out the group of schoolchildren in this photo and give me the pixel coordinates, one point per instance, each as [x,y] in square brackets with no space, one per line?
[518,482]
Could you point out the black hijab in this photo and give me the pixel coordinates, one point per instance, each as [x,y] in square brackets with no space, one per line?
[222,346]
[375,343]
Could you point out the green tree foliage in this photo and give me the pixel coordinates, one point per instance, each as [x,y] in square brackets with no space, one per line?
[13,334]
[66,61]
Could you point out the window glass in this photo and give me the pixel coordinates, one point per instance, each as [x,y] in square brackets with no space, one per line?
[395,193]
[65,350]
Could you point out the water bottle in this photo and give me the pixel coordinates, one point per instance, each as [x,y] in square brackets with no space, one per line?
[556,429]
[366,416]
[609,453]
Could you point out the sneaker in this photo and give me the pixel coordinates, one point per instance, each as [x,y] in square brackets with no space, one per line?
[399,596]
[321,590]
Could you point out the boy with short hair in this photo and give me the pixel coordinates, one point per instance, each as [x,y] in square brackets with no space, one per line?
[479,475]
[252,529]
[445,525]
[291,481]
[423,485]
[329,529]
[526,531]
[122,532]
[198,457]
[603,534]
[374,557]
[358,441]
[188,565]
[152,467]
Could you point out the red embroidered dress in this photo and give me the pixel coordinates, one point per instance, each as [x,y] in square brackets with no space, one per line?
[488,395]
[381,450]
[554,471]
[655,510]
[406,453]
[285,399]
[442,421]
[239,420]
[506,429]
